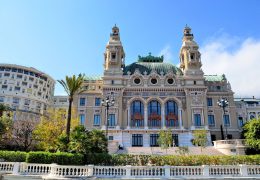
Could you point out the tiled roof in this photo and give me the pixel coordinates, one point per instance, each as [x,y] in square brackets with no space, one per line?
[215,77]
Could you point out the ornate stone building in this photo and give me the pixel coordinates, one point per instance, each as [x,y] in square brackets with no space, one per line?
[152,95]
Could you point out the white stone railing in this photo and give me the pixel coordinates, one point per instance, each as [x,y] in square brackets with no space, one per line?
[61,171]
[6,167]
[231,142]
[34,169]
[231,146]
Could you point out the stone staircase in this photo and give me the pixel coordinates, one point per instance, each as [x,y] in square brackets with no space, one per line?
[209,150]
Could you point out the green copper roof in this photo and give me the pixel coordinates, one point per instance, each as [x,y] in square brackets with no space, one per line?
[93,78]
[148,67]
[215,77]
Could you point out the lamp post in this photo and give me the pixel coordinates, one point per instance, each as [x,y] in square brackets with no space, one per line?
[223,103]
[107,103]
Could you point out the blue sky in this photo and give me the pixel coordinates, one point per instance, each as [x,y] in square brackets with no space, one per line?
[65,37]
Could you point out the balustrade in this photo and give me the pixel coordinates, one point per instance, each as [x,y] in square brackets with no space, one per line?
[61,171]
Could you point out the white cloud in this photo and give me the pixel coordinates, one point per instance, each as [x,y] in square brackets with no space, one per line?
[238,59]
[166,53]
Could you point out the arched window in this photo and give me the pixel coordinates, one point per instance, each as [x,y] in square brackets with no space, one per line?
[137,114]
[154,114]
[171,114]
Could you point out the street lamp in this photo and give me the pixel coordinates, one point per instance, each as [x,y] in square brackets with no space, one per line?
[107,103]
[223,103]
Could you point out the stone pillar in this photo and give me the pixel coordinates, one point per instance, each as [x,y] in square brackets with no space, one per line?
[145,117]
[180,118]
[202,117]
[243,170]
[90,169]
[128,116]
[205,170]
[167,172]
[128,171]
[16,168]
[163,118]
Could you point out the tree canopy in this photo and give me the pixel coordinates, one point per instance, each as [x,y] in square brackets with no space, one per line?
[200,138]
[252,133]
[50,128]
[165,139]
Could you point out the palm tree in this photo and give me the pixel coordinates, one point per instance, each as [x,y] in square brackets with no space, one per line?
[71,85]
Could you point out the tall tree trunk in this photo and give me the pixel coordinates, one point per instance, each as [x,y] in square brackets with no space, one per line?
[69,120]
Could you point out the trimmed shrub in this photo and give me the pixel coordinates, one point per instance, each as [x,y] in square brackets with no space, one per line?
[103,159]
[13,156]
[61,158]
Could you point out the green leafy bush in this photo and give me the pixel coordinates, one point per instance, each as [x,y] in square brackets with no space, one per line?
[59,158]
[13,156]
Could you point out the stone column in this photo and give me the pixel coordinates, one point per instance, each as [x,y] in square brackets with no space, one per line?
[180,118]
[145,117]
[163,118]
[202,117]
[128,116]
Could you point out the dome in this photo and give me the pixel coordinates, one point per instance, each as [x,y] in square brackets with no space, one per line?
[150,63]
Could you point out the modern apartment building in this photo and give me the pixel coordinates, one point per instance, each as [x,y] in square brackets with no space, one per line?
[26,90]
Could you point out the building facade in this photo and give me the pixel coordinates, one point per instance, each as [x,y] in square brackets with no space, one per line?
[26,90]
[152,95]
[247,109]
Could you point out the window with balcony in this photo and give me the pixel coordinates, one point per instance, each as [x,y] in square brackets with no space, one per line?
[97,101]
[27,102]
[171,114]
[137,140]
[226,120]
[16,88]
[211,120]
[16,100]
[4,87]
[209,102]
[82,119]
[6,74]
[97,120]
[137,114]
[2,99]
[111,120]
[154,114]
[82,101]
[18,76]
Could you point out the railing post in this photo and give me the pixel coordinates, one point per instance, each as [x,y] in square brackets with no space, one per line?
[167,171]
[128,171]
[53,170]
[243,170]
[205,170]
[23,167]
[16,168]
[90,170]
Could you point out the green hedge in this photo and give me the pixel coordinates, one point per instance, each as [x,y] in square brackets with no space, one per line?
[61,158]
[126,159]
[188,160]
[13,156]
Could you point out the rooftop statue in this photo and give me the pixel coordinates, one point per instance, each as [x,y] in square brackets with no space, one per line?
[150,58]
